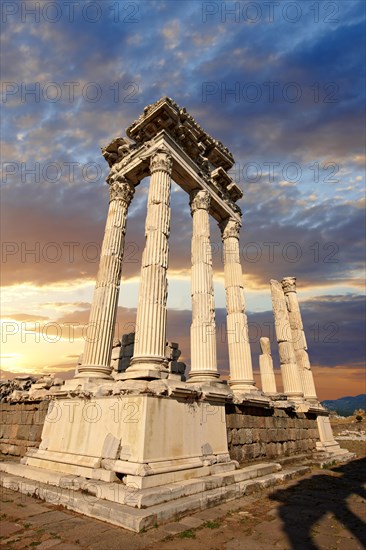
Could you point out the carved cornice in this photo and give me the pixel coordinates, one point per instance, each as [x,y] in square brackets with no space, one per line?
[121,189]
[165,114]
[200,200]
[288,284]
[198,159]
[118,149]
[161,160]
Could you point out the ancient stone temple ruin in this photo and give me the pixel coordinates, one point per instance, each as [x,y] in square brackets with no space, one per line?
[131,431]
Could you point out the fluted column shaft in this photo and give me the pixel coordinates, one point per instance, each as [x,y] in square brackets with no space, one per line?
[99,337]
[150,339]
[266,367]
[298,338]
[241,370]
[292,385]
[203,327]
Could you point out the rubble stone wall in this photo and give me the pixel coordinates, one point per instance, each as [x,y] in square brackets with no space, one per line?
[21,426]
[258,433]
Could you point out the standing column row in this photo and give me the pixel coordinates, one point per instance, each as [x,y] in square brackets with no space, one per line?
[203,328]
[298,338]
[149,352]
[98,347]
[241,370]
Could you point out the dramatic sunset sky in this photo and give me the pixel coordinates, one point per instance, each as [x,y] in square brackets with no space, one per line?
[279,83]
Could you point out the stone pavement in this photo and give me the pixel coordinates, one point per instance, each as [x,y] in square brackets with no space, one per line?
[324,510]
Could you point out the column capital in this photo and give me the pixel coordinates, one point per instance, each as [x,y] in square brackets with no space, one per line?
[200,199]
[230,227]
[288,284]
[121,189]
[161,160]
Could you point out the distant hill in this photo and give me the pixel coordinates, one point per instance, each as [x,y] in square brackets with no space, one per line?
[345,406]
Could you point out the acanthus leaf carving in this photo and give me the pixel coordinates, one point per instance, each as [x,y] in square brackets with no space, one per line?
[230,228]
[121,189]
[161,160]
[288,284]
[200,199]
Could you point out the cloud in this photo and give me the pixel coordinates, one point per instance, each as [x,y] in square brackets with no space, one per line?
[26,317]
[311,227]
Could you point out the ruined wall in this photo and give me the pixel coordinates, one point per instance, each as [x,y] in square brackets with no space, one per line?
[258,433]
[253,432]
[21,426]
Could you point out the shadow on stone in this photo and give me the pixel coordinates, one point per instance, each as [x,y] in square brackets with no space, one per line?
[310,500]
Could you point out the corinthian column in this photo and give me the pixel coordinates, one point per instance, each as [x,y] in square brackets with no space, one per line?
[290,373]
[241,370]
[298,338]
[203,328]
[149,359]
[98,347]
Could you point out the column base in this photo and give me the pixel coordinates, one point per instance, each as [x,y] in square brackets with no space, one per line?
[101,372]
[149,366]
[312,399]
[297,397]
[204,376]
[243,386]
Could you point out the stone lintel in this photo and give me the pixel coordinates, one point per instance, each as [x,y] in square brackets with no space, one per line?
[186,173]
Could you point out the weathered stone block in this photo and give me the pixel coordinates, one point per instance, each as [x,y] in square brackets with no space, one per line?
[23,431]
[256,435]
[13,430]
[261,422]
[263,436]
[292,434]
[235,436]
[271,450]
[245,436]
[230,421]
[111,447]
[282,434]
[237,421]
[35,432]
[268,422]
[248,452]
[236,453]
[256,450]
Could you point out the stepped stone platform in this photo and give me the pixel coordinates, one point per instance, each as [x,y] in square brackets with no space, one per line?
[141,509]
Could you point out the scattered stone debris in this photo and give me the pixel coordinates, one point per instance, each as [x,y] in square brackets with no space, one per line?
[28,388]
[351,435]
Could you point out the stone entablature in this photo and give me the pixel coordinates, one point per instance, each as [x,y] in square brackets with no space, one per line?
[166,114]
[199,161]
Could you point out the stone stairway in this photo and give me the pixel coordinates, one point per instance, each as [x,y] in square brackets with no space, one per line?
[141,509]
